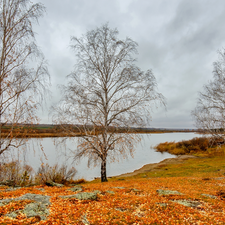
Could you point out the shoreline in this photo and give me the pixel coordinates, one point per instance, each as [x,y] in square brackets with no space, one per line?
[156,166]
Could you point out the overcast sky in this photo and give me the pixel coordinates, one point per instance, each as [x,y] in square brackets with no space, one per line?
[178,40]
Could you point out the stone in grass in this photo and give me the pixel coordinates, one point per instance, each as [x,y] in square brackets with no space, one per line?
[168,192]
[86,196]
[210,196]
[110,192]
[32,210]
[40,189]
[76,188]
[162,204]
[53,184]
[37,208]
[135,190]
[82,196]
[188,203]
[85,220]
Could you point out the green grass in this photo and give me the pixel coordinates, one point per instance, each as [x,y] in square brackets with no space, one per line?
[196,167]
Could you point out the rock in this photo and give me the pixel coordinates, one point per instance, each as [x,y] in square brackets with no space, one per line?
[188,203]
[76,188]
[168,192]
[119,187]
[67,196]
[97,192]
[84,220]
[34,209]
[53,184]
[110,192]
[82,196]
[12,188]
[86,196]
[43,199]
[8,183]
[135,190]
[210,196]
[162,204]
[5,201]
[12,214]
[40,189]
[219,178]
[120,209]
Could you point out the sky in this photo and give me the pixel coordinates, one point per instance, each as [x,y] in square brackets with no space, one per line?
[178,39]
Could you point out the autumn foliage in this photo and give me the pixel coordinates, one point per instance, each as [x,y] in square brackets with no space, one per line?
[193,146]
[129,202]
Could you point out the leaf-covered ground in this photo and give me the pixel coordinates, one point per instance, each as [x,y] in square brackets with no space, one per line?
[134,201]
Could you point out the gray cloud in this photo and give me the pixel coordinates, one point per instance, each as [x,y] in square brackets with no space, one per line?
[177,39]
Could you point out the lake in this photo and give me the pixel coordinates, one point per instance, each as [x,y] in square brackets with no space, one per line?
[144,154]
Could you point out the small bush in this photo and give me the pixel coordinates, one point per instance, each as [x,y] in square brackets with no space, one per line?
[57,174]
[16,173]
[195,145]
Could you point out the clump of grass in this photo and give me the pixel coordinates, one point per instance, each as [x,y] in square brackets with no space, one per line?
[57,174]
[16,174]
[200,145]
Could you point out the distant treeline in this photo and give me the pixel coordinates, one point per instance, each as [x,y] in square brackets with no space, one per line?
[50,130]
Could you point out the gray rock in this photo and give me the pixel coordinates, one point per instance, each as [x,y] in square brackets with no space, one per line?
[119,187]
[82,196]
[85,220]
[86,196]
[210,196]
[110,192]
[162,204]
[5,201]
[76,188]
[12,188]
[219,178]
[168,192]
[8,183]
[188,203]
[12,214]
[37,208]
[40,189]
[97,192]
[43,199]
[67,196]
[135,190]
[120,209]
[53,184]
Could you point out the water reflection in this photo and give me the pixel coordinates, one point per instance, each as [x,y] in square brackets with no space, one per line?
[144,154]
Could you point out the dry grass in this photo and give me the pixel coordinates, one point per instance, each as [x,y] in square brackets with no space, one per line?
[196,146]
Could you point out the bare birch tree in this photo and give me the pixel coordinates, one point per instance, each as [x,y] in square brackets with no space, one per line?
[23,72]
[106,92]
[209,113]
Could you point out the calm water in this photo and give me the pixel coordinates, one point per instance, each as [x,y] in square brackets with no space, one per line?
[144,154]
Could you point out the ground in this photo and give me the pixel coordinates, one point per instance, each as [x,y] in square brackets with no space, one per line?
[191,192]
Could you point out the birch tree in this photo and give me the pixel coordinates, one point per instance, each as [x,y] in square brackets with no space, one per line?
[24,76]
[209,113]
[106,92]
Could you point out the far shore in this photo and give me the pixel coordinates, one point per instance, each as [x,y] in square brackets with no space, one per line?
[52,131]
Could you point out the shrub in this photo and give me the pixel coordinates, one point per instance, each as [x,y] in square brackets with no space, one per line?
[57,174]
[192,146]
[16,173]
